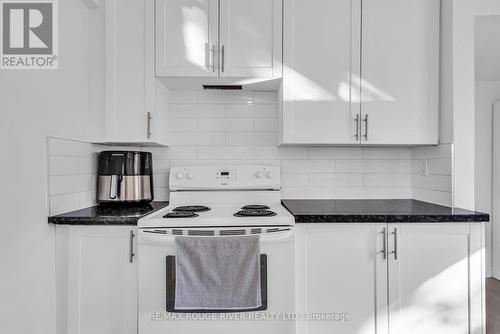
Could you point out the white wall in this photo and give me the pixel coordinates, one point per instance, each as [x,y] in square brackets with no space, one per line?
[459,49]
[35,104]
[487,92]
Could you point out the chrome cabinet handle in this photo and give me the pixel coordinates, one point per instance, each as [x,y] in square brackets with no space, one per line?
[148,125]
[213,57]
[384,243]
[131,247]
[366,127]
[222,59]
[356,135]
[207,56]
[395,251]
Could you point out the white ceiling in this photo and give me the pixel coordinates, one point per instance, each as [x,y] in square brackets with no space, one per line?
[487,36]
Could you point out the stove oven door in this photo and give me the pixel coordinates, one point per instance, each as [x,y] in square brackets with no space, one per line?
[157,285]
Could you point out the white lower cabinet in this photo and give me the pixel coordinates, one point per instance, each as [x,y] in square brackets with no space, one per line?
[391,278]
[435,278]
[96,280]
[340,269]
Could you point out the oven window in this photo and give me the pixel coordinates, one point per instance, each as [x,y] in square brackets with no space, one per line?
[170,296]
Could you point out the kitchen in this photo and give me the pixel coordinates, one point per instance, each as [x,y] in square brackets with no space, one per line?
[347,130]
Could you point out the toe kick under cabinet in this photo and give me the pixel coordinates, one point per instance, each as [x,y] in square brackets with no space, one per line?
[390,278]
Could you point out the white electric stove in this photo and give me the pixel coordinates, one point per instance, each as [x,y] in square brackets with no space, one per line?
[218,201]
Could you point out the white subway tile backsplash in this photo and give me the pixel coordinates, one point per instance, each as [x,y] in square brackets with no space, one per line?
[224,152]
[307,166]
[160,180]
[282,153]
[363,166]
[387,180]
[308,193]
[252,111]
[161,166]
[71,175]
[176,163]
[294,180]
[440,166]
[181,152]
[240,127]
[161,194]
[431,174]
[372,192]
[197,111]
[181,124]
[181,96]
[65,165]
[401,166]
[335,180]
[386,153]
[437,197]
[251,138]
[333,153]
[265,97]
[197,138]
[225,97]
[228,125]
[265,124]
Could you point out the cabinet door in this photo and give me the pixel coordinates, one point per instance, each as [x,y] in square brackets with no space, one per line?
[135,100]
[340,269]
[250,38]
[430,285]
[126,118]
[320,50]
[400,71]
[186,38]
[102,282]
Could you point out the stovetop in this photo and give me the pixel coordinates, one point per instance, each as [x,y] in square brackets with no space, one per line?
[219,215]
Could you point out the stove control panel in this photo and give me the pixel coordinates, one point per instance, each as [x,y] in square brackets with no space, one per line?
[224,177]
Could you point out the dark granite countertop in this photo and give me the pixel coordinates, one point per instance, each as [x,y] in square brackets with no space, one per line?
[107,215]
[305,211]
[390,210]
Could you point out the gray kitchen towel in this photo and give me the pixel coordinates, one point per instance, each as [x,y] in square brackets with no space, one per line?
[217,273]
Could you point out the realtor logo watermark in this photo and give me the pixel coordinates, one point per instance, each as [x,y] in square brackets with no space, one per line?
[29,32]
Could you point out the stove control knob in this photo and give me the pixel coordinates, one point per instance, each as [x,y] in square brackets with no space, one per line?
[258,175]
[189,175]
[179,175]
[269,175]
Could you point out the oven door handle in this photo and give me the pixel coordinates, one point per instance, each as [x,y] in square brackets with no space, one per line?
[152,237]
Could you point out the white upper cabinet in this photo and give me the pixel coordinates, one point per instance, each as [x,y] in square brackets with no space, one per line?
[317,63]
[186,37]
[360,72]
[221,39]
[250,38]
[135,101]
[400,71]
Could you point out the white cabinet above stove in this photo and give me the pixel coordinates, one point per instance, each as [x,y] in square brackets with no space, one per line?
[218,42]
